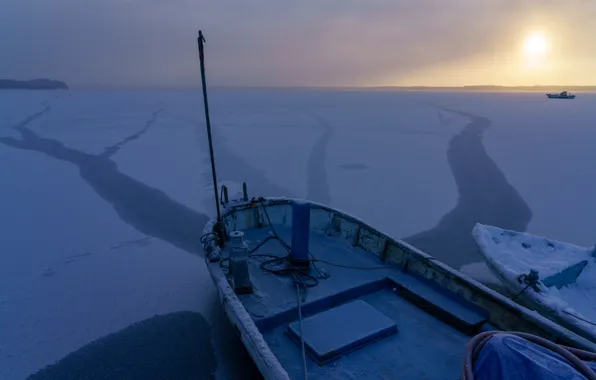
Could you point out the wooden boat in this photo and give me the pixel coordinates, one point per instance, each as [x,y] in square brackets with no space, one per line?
[561,95]
[316,293]
[556,279]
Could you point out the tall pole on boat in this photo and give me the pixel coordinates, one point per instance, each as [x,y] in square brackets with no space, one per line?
[219,229]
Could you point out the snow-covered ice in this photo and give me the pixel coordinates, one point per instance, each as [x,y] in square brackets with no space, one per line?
[97,233]
[300,140]
[545,149]
[71,270]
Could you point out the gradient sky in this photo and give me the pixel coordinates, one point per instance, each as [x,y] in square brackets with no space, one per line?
[304,43]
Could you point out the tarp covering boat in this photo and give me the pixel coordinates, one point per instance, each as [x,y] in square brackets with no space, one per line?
[507,356]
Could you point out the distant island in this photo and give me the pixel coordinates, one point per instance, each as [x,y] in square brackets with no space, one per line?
[34,84]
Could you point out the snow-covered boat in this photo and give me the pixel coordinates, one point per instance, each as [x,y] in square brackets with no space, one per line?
[315,292]
[561,95]
[554,278]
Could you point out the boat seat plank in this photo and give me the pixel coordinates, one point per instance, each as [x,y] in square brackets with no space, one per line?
[442,304]
[340,330]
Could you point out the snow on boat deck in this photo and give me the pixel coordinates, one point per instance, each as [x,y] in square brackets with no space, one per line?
[421,337]
[519,252]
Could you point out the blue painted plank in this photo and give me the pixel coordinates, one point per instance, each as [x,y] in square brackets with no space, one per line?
[441,303]
[338,331]
[318,305]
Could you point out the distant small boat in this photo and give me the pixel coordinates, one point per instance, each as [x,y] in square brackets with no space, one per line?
[562,95]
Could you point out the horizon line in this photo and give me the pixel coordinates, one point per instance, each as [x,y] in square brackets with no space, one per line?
[481,87]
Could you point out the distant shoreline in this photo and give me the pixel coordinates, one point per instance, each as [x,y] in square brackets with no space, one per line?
[478,88]
[489,88]
[34,84]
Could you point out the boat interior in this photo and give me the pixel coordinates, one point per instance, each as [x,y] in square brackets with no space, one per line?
[366,306]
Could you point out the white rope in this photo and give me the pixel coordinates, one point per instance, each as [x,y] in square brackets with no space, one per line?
[301,336]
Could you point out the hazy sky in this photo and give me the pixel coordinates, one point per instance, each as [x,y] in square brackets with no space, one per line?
[304,42]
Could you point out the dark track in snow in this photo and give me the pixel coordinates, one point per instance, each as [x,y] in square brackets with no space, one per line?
[485,196]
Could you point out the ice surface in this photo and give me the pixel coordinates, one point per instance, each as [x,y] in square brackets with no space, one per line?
[378,155]
[480,272]
[18,105]
[545,150]
[399,142]
[71,271]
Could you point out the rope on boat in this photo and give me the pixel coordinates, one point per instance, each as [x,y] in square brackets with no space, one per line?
[580,318]
[301,336]
[314,259]
[520,292]
[531,280]
[208,240]
[575,356]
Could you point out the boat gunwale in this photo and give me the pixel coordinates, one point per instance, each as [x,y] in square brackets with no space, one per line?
[264,358]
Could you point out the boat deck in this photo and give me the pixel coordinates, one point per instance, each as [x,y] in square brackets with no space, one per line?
[433,325]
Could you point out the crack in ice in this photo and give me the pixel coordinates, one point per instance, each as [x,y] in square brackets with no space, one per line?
[485,196]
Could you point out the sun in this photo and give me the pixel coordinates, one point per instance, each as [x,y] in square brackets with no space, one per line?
[536,45]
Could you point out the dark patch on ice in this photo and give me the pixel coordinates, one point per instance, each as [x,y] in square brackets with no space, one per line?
[142,242]
[73,258]
[111,150]
[149,210]
[317,186]
[78,255]
[172,346]
[442,119]
[485,196]
[415,132]
[353,166]
[48,272]
[29,119]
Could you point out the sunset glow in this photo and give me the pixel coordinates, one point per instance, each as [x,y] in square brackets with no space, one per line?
[536,45]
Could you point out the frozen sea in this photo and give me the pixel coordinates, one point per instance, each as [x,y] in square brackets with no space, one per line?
[103,196]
